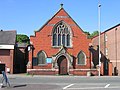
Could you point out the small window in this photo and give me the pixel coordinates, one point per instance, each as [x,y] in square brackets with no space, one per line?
[4,52]
[106,51]
[106,38]
[81,58]
[41,57]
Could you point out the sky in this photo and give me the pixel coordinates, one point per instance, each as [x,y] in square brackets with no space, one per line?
[27,16]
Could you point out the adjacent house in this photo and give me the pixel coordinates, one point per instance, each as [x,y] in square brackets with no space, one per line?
[109,47]
[7,50]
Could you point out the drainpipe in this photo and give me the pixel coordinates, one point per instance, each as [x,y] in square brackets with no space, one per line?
[116,73]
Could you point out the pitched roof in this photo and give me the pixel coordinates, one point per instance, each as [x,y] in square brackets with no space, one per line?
[64,14]
[107,30]
[7,37]
[22,45]
[112,27]
[50,19]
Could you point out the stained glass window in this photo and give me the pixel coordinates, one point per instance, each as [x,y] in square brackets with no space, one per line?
[62,35]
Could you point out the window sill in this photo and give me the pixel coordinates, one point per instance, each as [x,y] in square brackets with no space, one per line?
[61,46]
[41,64]
[81,64]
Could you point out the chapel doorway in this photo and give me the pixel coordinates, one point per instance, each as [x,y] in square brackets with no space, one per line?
[62,65]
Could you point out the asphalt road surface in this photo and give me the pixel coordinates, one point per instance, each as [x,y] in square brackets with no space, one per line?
[24,82]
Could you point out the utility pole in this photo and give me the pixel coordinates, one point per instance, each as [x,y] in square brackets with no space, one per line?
[99,16]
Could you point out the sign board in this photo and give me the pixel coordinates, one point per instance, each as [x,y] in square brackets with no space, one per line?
[48,60]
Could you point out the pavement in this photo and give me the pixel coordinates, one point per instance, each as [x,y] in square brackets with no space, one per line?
[30,87]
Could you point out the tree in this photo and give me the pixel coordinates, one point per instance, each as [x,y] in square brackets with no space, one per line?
[21,38]
[95,33]
[87,33]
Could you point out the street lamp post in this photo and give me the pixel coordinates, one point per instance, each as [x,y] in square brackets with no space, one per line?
[99,6]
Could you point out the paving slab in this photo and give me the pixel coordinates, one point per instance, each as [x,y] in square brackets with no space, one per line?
[31,87]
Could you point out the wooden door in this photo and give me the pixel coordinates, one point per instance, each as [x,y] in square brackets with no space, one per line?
[62,63]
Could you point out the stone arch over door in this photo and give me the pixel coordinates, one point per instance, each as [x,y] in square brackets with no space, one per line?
[62,65]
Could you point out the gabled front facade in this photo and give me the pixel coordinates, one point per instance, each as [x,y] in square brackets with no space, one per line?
[60,47]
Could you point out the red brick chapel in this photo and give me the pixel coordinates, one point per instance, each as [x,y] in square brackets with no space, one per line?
[60,47]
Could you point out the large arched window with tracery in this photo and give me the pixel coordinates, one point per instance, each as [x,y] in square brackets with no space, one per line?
[61,35]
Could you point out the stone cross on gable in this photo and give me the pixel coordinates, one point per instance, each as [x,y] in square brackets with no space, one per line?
[61,5]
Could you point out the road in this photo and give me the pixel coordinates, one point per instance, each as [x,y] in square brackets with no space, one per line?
[25,82]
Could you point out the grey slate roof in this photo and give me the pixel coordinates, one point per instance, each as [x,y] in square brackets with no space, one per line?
[23,45]
[7,37]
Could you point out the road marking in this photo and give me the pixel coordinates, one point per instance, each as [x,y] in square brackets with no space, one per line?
[68,86]
[106,86]
[88,88]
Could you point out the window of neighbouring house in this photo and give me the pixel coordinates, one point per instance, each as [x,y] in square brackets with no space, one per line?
[81,58]
[4,52]
[41,57]
[106,38]
[106,51]
[61,35]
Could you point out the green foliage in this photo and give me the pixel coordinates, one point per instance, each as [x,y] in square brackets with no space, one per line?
[21,38]
[88,34]
[95,33]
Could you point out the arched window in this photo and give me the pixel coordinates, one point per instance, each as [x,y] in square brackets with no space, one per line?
[59,40]
[63,39]
[61,35]
[41,57]
[54,39]
[81,58]
[68,40]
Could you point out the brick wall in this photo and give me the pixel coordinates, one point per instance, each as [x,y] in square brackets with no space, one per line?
[7,57]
